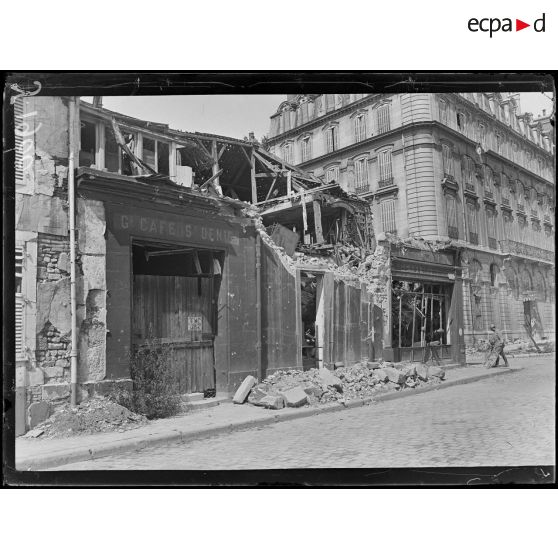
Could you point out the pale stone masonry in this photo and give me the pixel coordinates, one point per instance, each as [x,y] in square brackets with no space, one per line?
[469,168]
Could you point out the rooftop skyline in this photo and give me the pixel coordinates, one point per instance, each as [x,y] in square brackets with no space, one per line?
[237,115]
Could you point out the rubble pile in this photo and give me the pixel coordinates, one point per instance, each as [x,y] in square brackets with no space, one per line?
[98,414]
[296,388]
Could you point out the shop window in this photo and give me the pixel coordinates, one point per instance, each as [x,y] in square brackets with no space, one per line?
[420,315]
[88,144]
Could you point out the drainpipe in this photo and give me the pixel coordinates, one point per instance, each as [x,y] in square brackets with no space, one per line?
[259,305]
[72,210]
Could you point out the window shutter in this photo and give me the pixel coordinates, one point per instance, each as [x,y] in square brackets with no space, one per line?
[19,304]
[452,211]
[383,119]
[388,216]
[18,122]
[384,161]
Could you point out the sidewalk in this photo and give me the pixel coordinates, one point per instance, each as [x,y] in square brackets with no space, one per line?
[37,454]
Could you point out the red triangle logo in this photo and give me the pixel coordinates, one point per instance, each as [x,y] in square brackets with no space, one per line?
[519,25]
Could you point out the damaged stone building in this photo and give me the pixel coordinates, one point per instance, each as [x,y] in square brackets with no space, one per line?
[462,191]
[129,233]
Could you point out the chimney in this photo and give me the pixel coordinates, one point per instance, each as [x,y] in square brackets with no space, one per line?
[251,137]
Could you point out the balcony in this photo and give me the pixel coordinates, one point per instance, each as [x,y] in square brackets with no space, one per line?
[362,188]
[534,215]
[520,249]
[470,187]
[492,243]
[453,232]
[520,208]
[473,238]
[488,195]
[506,202]
[547,219]
[386,182]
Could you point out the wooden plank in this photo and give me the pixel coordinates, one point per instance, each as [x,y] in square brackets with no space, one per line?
[318,222]
[253,178]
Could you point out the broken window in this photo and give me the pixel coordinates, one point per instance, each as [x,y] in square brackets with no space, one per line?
[88,144]
[162,158]
[420,314]
[126,165]
[112,151]
[148,155]
[332,174]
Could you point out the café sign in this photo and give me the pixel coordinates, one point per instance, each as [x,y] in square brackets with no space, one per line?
[182,229]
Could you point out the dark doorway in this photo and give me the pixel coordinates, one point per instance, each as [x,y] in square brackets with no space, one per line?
[312,314]
[175,290]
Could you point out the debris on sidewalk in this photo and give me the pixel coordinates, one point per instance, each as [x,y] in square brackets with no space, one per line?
[98,414]
[314,387]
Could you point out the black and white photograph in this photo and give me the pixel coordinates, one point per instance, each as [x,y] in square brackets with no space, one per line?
[300,280]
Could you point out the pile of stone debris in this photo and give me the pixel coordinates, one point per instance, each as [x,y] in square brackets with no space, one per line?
[296,388]
[98,414]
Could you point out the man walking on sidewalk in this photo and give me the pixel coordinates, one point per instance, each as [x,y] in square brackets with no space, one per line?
[496,349]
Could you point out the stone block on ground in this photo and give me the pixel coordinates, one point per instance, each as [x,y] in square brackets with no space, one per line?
[395,376]
[437,372]
[295,397]
[411,371]
[242,392]
[256,395]
[422,372]
[329,380]
[314,390]
[338,364]
[373,365]
[272,402]
[37,413]
[380,373]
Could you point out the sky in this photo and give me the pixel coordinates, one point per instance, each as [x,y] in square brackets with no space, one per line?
[235,115]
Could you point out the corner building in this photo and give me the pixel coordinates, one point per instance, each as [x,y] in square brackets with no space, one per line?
[462,189]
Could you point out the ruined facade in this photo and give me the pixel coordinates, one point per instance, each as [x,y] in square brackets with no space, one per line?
[462,178]
[171,249]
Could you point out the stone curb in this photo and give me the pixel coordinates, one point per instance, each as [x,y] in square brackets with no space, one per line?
[121,446]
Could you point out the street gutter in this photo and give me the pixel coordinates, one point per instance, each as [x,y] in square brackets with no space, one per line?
[65,457]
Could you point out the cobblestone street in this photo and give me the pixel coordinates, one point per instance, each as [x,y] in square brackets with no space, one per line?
[506,420]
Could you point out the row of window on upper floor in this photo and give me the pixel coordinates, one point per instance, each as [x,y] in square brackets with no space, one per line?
[330,135]
[491,137]
[308,108]
[99,149]
[476,175]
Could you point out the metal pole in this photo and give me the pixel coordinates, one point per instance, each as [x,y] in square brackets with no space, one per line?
[72,210]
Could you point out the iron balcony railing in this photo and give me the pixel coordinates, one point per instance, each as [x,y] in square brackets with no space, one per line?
[521,207]
[506,202]
[488,195]
[385,182]
[362,188]
[470,187]
[519,249]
